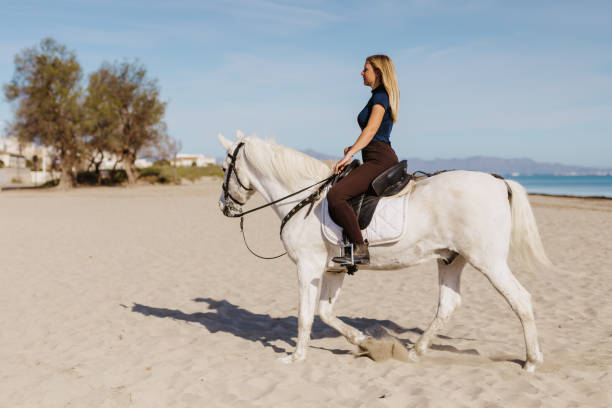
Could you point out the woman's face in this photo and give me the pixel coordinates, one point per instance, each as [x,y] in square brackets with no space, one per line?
[369,75]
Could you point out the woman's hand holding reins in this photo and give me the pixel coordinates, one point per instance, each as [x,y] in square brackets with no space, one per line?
[344,161]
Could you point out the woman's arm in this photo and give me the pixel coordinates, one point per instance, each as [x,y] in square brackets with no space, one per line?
[366,136]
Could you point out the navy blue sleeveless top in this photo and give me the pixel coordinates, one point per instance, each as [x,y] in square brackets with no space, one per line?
[379,97]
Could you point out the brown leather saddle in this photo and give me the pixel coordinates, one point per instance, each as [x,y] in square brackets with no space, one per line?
[388,183]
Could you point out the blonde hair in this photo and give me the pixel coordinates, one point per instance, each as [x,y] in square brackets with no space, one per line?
[385,72]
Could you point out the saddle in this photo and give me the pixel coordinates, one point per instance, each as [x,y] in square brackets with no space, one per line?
[388,183]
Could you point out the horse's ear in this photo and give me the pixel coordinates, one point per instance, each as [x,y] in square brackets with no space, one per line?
[239,134]
[227,144]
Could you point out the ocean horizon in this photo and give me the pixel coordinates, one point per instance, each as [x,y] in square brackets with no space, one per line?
[577,186]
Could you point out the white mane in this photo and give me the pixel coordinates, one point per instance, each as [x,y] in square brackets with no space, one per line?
[283,163]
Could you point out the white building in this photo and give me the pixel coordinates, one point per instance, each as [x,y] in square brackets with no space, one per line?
[10,153]
[14,156]
[143,163]
[13,160]
[109,162]
[185,160]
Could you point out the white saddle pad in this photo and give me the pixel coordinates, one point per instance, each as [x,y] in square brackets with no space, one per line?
[387,226]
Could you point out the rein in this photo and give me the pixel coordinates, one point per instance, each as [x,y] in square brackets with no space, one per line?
[242,214]
[311,199]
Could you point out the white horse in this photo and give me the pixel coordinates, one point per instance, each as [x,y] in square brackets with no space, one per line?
[469,213]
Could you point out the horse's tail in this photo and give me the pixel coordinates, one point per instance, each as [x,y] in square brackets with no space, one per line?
[525,242]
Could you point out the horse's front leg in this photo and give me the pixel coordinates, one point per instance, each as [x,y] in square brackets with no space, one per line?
[309,278]
[330,291]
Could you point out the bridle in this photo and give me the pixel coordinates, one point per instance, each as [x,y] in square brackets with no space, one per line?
[231,211]
[232,169]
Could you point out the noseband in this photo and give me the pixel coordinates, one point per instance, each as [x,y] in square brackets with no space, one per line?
[228,175]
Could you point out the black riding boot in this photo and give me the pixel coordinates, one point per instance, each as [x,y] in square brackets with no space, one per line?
[361,256]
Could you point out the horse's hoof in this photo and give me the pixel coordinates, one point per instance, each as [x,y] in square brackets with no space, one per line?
[420,349]
[529,367]
[291,358]
[413,355]
[363,341]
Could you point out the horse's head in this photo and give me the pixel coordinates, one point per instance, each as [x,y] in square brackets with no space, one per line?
[237,186]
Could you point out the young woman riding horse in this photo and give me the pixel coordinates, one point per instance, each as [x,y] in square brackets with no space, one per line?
[376,121]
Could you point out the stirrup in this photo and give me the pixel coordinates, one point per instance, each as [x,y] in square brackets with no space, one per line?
[346,255]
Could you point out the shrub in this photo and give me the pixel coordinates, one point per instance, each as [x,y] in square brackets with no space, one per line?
[160,163]
[150,171]
[89,178]
[194,173]
[115,177]
[50,183]
[108,177]
[153,174]
[165,174]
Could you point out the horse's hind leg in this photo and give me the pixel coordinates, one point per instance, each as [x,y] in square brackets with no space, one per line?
[330,290]
[519,299]
[449,299]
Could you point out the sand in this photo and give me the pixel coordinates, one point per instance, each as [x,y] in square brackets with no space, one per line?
[146,297]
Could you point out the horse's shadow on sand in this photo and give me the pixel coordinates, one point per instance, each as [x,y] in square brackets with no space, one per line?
[230,318]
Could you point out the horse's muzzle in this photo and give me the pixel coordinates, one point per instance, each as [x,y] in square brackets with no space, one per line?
[228,209]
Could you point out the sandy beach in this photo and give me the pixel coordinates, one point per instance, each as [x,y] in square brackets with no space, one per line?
[147,297]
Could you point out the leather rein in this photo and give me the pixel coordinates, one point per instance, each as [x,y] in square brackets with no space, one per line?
[311,199]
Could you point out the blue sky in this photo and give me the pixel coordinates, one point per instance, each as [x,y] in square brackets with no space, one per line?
[507,79]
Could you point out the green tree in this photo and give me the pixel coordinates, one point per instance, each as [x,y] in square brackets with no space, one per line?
[102,124]
[125,115]
[46,89]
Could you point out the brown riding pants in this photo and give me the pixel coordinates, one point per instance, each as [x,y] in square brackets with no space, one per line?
[377,157]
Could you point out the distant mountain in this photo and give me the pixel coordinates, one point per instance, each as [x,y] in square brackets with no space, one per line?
[488,164]
[503,166]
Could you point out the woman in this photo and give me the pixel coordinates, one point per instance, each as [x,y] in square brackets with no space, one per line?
[376,121]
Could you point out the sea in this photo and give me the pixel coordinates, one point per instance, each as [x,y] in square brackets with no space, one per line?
[578,186]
